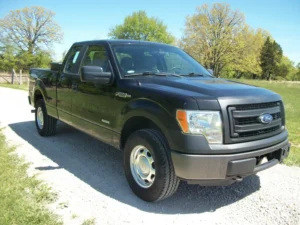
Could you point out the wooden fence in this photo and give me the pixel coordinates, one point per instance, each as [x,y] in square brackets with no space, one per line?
[14,77]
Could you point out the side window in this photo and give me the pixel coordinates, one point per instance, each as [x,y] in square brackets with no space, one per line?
[70,66]
[97,56]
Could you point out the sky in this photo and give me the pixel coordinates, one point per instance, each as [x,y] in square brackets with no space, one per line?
[92,19]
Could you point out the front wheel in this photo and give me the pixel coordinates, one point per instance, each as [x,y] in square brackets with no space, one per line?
[148,166]
[45,124]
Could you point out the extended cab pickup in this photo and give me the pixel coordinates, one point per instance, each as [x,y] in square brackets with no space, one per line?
[171,118]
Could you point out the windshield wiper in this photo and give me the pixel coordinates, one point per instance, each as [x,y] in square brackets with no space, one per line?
[197,74]
[149,73]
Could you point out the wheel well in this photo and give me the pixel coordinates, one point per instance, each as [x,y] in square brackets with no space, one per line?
[37,96]
[134,124]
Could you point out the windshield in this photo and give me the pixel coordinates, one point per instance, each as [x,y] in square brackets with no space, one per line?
[137,59]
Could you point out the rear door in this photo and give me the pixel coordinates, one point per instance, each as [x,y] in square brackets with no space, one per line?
[65,85]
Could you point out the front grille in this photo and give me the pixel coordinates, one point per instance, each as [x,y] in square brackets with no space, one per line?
[257,106]
[245,123]
[253,120]
[258,132]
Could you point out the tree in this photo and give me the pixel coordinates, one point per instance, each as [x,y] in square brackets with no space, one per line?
[7,60]
[31,28]
[26,38]
[270,57]
[285,69]
[246,57]
[296,75]
[139,26]
[211,35]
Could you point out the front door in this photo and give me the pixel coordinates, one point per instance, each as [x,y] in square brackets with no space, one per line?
[92,103]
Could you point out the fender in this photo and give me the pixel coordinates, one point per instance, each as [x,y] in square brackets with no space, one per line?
[39,87]
[151,110]
[41,84]
[37,75]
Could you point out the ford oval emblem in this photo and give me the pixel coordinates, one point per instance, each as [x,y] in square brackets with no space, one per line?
[265,118]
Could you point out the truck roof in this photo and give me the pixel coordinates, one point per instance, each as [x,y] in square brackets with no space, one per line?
[120,41]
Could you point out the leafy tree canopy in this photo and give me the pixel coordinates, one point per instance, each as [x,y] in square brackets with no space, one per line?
[26,38]
[139,26]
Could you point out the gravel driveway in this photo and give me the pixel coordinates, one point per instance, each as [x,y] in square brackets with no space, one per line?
[88,177]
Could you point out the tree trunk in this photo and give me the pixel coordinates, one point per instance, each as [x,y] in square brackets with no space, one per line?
[21,79]
[239,74]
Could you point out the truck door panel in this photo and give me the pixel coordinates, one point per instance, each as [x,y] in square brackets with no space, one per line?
[92,103]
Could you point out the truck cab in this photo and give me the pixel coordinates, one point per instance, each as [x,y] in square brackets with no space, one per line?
[171,118]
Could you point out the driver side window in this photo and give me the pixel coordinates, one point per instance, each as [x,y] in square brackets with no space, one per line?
[97,56]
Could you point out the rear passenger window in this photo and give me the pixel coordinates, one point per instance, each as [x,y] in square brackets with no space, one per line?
[72,61]
[96,56]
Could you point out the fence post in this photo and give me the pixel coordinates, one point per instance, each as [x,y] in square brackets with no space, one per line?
[21,79]
[13,76]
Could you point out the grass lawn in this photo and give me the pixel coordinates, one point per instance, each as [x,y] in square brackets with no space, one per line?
[15,86]
[23,199]
[290,92]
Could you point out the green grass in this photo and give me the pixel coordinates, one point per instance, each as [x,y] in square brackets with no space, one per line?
[23,199]
[15,86]
[290,93]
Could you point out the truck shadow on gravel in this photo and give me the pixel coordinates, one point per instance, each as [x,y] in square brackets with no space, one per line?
[100,166]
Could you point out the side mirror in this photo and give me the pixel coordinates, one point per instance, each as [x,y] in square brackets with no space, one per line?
[95,74]
[55,66]
[210,71]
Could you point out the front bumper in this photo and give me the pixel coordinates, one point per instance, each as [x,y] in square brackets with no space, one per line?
[227,168]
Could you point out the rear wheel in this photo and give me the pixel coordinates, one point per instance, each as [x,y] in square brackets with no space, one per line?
[45,124]
[148,166]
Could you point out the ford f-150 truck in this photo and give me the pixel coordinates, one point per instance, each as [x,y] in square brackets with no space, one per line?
[171,118]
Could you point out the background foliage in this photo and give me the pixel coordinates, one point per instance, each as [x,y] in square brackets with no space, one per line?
[139,26]
[220,39]
[26,37]
[215,35]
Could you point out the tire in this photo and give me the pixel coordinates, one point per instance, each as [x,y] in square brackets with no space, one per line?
[165,182]
[48,127]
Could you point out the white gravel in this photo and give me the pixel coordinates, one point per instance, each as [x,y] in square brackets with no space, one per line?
[89,180]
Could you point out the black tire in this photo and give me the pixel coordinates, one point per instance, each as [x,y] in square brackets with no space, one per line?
[166,182]
[49,126]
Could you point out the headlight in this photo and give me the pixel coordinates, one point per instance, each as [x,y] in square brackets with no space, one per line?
[207,123]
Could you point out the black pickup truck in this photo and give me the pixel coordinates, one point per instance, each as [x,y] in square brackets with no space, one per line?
[171,118]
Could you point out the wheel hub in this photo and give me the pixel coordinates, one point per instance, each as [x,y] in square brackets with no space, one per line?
[142,166]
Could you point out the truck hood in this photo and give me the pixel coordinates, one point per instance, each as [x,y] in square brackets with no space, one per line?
[200,87]
[207,90]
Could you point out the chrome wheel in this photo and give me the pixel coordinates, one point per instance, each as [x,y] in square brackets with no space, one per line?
[142,166]
[40,118]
